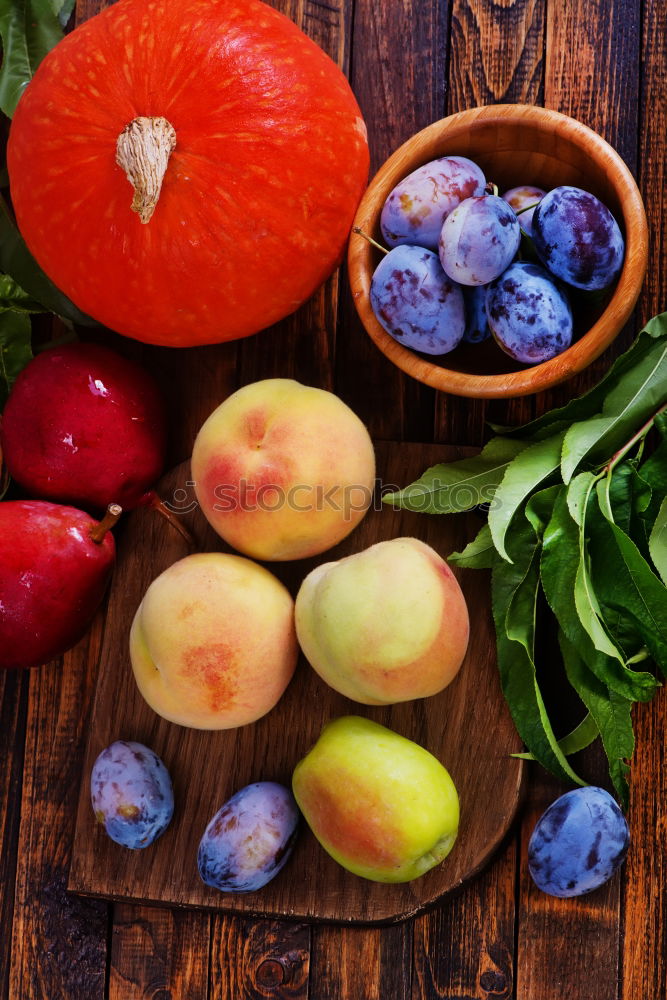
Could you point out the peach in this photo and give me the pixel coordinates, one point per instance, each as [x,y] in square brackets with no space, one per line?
[282,470]
[212,643]
[384,625]
[381,806]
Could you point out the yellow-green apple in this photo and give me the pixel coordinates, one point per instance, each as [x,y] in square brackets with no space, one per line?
[384,625]
[283,470]
[212,643]
[381,806]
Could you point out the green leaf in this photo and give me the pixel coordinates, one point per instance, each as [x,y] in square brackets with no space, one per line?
[12,296]
[610,711]
[514,590]
[626,370]
[540,508]
[63,10]
[581,737]
[17,261]
[480,553]
[626,583]
[457,486]
[29,29]
[532,466]
[657,542]
[625,409]
[560,563]
[585,600]
[15,352]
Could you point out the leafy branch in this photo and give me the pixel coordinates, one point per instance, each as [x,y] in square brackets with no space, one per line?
[577,523]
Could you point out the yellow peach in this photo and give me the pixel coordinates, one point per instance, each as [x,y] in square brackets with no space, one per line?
[282,470]
[384,625]
[381,806]
[212,643]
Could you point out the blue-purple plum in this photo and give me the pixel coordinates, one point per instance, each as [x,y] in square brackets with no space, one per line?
[416,302]
[479,239]
[529,315]
[523,200]
[578,843]
[578,239]
[131,794]
[249,839]
[417,207]
[477,324]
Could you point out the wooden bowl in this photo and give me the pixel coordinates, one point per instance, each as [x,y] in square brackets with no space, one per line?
[513,144]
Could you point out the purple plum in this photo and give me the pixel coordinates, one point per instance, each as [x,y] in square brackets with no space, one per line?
[479,239]
[521,199]
[131,794]
[529,315]
[416,302]
[578,843]
[416,208]
[578,239]
[249,839]
[477,324]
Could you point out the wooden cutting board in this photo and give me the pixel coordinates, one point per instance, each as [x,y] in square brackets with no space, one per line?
[467,727]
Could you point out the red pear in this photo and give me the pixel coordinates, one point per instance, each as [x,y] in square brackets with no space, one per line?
[85,426]
[55,563]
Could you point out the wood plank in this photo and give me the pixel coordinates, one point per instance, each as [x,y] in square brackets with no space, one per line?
[59,942]
[566,947]
[251,960]
[496,57]
[13,706]
[595,81]
[158,953]
[312,885]
[466,948]
[399,53]
[572,946]
[367,963]
[644,957]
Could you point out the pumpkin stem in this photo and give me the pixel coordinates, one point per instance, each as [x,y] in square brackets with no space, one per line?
[143,150]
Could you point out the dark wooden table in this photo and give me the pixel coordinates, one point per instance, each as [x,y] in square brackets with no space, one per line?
[410,62]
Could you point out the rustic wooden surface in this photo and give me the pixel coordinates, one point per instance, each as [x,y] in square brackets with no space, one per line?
[207,768]
[604,62]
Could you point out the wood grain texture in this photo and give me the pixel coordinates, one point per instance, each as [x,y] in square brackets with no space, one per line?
[573,945]
[644,956]
[59,941]
[361,962]
[397,71]
[482,916]
[496,53]
[158,953]
[257,959]
[312,885]
[13,705]
[496,56]
[596,80]
[567,947]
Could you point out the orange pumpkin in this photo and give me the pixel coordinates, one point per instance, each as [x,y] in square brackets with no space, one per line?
[246,149]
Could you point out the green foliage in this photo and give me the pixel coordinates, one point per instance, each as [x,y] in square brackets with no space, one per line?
[15,352]
[577,525]
[29,29]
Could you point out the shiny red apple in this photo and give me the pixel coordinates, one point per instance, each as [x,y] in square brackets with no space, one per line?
[85,426]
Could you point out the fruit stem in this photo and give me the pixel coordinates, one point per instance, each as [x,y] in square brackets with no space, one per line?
[374,243]
[143,149]
[639,436]
[155,503]
[98,532]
